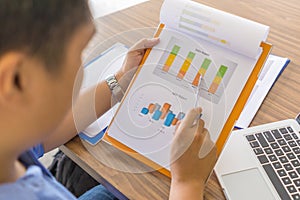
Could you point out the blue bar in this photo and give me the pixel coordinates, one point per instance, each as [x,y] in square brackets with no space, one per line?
[169,119]
[156,115]
[145,111]
[180,116]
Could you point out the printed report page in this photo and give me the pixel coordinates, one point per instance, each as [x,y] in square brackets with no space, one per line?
[166,87]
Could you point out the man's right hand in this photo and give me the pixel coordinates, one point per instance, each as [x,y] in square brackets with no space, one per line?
[189,171]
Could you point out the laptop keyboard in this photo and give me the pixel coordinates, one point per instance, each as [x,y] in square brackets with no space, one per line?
[278,150]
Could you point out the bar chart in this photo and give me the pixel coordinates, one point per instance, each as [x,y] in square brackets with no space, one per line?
[184,67]
[153,109]
[162,113]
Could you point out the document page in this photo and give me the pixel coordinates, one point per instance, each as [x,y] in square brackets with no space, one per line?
[165,90]
[202,52]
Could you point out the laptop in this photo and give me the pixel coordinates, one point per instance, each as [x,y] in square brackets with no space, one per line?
[262,162]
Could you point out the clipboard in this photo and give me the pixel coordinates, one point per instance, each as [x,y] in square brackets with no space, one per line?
[229,125]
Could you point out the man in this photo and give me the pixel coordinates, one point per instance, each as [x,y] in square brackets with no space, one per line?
[41,42]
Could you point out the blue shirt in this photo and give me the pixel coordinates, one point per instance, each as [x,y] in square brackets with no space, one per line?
[37,183]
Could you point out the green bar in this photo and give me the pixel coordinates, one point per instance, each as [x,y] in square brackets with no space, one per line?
[191,55]
[206,63]
[222,71]
[175,50]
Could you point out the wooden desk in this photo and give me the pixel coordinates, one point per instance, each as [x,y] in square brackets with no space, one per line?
[282,102]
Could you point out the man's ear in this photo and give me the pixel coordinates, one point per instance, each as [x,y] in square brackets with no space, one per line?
[10,78]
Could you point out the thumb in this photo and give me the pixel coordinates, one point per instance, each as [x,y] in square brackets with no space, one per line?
[191,116]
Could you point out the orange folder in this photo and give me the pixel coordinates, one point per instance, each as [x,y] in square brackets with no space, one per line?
[233,117]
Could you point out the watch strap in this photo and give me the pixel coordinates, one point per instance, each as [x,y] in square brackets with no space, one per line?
[115,88]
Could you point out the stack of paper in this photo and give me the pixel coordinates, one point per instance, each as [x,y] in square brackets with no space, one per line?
[268,76]
[107,63]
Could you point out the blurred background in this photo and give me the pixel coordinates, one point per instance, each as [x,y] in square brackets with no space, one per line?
[103,7]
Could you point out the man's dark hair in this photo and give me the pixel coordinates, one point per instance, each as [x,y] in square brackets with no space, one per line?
[41,27]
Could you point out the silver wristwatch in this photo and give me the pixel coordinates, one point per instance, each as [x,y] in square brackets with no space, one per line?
[115,88]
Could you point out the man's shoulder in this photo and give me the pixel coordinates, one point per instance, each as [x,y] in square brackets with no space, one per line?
[34,185]
[16,190]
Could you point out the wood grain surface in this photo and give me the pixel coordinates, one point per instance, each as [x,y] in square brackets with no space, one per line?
[113,168]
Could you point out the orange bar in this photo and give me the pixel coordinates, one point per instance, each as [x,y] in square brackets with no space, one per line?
[151,108]
[213,88]
[180,75]
[169,62]
[196,80]
[186,65]
[184,68]
[202,71]
[174,122]
[165,110]
[166,68]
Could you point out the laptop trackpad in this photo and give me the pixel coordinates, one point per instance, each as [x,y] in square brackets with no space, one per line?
[247,184]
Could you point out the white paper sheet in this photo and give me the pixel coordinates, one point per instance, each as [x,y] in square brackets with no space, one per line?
[272,69]
[152,138]
[164,89]
[106,64]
